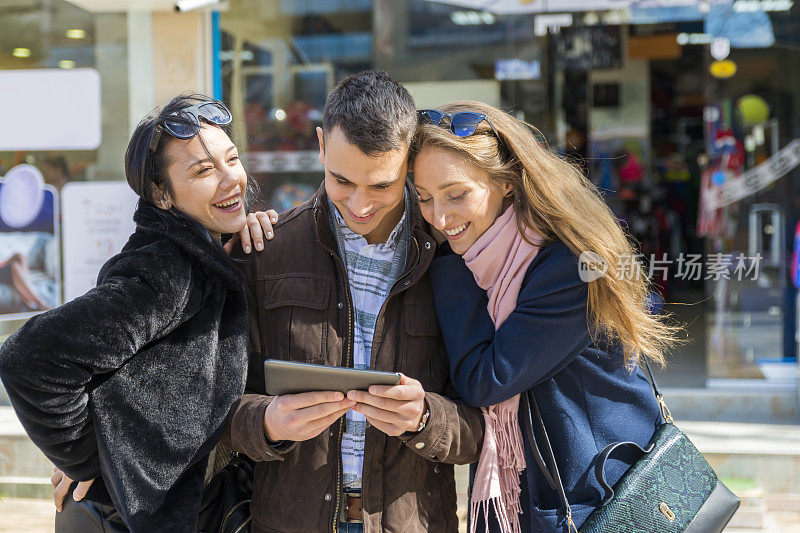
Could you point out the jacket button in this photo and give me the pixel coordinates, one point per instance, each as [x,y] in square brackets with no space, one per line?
[419,445]
[339,305]
[436,469]
[328,497]
[427,246]
[407,283]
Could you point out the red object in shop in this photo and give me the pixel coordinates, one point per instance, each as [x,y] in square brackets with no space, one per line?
[732,150]
[631,169]
[796,258]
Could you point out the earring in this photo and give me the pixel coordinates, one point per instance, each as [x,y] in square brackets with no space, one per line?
[509,194]
[164,202]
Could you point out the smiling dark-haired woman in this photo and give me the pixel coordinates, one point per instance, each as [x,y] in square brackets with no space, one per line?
[130,384]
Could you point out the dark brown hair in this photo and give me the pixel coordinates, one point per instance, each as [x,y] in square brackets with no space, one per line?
[374,112]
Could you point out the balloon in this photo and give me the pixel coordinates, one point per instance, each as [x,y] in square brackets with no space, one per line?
[753,109]
[21,196]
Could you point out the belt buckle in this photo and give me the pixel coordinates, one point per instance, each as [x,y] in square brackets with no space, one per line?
[348,494]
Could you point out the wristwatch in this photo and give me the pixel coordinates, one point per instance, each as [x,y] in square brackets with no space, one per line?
[424,420]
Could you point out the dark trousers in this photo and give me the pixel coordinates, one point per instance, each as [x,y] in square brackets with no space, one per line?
[88,517]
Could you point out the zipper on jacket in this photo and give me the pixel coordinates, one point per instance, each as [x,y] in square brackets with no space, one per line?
[348,358]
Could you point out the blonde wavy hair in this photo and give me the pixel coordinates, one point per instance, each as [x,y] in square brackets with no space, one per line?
[553,197]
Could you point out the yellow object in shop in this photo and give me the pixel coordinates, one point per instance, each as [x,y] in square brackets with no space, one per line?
[723,69]
[753,109]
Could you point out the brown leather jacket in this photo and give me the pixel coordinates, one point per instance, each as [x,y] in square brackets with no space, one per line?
[300,310]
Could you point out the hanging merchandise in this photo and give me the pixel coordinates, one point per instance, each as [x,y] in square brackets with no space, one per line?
[730,149]
[753,109]
[709,221]
[734,188]
[796,258]
[631,170]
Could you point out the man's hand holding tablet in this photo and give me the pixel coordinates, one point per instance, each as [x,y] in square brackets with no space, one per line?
[391,402]
[303,416]
[393,409]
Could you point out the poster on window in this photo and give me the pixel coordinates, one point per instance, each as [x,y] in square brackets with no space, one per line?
[97,221]
[30,273]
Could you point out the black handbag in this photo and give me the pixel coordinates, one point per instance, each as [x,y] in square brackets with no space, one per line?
[225,506]
[670,488]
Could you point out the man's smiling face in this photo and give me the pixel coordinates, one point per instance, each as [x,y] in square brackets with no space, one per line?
[367,190]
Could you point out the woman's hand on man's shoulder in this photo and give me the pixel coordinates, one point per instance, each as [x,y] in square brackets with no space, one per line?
[257,228]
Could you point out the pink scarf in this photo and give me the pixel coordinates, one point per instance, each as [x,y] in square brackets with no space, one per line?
[498,260]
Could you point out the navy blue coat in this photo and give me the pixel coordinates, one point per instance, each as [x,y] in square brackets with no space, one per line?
[587,397]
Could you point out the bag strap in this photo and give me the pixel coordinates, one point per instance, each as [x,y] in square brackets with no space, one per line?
[532,438]
[599,467]
[546,463]
[659,398]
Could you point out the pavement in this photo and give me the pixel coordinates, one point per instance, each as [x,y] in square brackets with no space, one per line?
[9,423]
[743,438]
[26,515]
[739,452]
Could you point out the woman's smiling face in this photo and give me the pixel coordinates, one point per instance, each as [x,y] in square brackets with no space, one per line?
[208,186]
[456,196]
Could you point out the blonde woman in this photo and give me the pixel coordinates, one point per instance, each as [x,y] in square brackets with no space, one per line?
[516,314]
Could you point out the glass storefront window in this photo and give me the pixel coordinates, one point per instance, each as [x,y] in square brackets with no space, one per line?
[279,61]
[55,38]
[626,94]
[58,35]
[753,117]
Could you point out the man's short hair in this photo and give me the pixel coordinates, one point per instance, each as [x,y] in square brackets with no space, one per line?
[374,112]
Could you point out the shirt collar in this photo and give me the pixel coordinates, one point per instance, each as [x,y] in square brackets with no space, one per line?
[343,230]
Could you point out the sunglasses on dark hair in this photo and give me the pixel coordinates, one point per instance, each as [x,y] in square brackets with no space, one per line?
[462,124]
[189,125]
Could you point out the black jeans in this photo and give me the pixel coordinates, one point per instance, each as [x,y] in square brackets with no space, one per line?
[88,517]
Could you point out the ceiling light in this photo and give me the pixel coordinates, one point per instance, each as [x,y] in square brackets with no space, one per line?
[182,6]
[66,63]
[21,52]
[472,18]
[76,33]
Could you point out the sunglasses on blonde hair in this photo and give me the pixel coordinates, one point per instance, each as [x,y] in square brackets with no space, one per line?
[462,124]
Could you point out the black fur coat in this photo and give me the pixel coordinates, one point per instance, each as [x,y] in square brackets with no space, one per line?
[132,382]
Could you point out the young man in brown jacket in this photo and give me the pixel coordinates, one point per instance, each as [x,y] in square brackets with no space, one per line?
[344,282]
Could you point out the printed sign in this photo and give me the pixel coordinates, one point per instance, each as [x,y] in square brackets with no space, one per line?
[97,221]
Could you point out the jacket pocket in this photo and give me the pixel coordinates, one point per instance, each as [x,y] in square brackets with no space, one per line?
[554,520]
[424,357]
[297,316]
